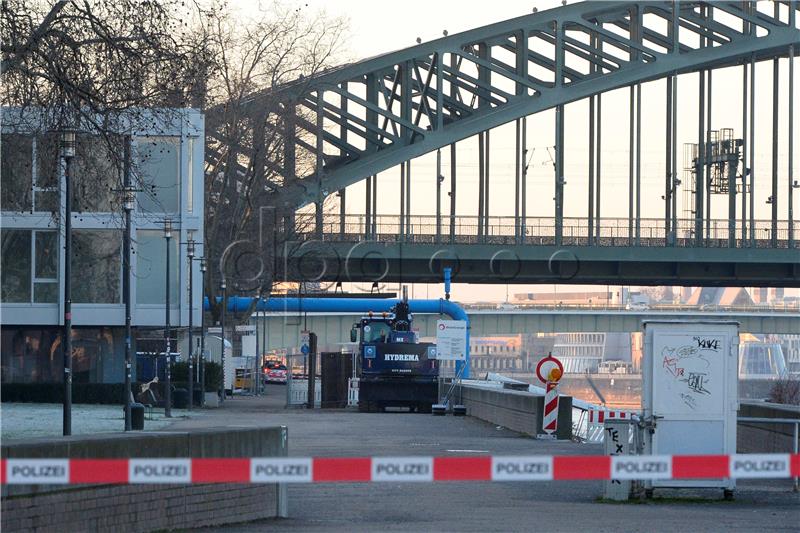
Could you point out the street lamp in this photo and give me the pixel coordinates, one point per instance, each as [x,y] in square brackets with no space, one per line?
[190,257]
[223,288]
[202,364]
[168,385]
[129,204]
[68,152]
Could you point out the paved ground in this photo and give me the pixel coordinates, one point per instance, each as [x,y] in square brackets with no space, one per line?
[31,420]
[550,506]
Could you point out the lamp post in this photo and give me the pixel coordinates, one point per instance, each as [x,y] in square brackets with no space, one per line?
[129,204]
[168,385]
[223,288]
[68,152]
[202,365]
[190,257]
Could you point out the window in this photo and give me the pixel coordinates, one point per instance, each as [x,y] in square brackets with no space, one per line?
[151,267]
[16,155]
[34,355]
[46,196]
[25,274]
[378,332]
[45,282]
[96,266]
[96,173]
[157,166]
[31,355]
[16,263]
[190,176]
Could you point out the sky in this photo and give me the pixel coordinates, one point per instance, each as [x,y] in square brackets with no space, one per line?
[377,27]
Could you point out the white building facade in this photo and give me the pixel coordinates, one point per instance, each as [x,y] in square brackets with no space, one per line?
[166,158]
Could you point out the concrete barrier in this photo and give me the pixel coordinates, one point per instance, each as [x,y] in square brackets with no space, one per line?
[519,411]
[763,437]
[143,508]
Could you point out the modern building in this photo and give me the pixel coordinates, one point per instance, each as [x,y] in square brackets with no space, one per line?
[584,352]
[167,164]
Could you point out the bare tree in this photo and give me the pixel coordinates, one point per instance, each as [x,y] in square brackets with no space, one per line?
[104,68]
[254,60]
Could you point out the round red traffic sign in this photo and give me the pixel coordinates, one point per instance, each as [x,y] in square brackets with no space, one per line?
[549,369]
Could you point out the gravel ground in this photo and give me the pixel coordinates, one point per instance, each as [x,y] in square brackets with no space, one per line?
[31,420]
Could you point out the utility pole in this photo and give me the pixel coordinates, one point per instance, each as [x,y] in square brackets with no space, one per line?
[223,288]
[190,259]
[202,369]
[168,384]
[68,152]
[129,203]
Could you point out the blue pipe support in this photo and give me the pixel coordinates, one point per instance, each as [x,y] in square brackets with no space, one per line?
[238,304]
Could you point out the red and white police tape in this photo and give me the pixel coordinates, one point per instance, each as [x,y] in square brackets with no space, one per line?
[377,469]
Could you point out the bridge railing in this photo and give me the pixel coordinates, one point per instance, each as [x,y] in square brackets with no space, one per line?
[783,307]
[650,232]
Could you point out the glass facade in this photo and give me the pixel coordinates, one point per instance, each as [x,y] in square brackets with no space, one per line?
[163,155]
[96,266]
[35,355]
[96,174]
[151,265]
[157,167]
[16,165]
[29,269]
[46,196]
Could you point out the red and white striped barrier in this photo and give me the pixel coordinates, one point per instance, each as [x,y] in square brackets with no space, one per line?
[597,416]
[550,417]
[397,469]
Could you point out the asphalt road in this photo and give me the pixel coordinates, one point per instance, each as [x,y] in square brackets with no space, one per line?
[522,506]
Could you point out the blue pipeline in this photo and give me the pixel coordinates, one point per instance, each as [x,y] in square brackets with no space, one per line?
[353,305]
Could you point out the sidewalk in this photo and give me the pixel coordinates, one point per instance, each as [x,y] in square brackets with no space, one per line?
[33,420]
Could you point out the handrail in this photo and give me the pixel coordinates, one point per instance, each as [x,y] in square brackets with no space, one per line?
[795,437]
[575,231]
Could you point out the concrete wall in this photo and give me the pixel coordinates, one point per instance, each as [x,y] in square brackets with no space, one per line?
[142,507]
[516,410]
[752,437]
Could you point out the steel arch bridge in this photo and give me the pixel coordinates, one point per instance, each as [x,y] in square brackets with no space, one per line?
[349,123]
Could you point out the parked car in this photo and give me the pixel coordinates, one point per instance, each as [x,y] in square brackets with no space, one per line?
[276,374]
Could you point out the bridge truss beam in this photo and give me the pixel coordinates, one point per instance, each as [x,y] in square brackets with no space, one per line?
[363,118]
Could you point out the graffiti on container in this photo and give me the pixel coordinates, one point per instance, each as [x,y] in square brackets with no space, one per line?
[613,434]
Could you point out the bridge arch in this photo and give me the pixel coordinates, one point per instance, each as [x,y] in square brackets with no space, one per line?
[356,120]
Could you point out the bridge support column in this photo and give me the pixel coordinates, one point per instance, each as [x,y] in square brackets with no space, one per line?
[439,179]
[745,148]
[481,178]
[368,208]
[773,234]
[559,167]
[342,153]
[675,182]
[318,167]
[752,147]
[517,167]
[668,229]
[599,168]
[452,192]
[700,161]
[524,179]
[790,176]
[590,216]
[402,200]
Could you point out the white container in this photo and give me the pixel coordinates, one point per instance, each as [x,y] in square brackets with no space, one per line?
[690,391]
